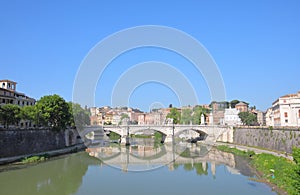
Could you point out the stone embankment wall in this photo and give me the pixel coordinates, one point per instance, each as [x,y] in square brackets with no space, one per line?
[18,142]
[274,139]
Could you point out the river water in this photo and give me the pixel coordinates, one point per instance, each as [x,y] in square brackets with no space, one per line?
[135,170]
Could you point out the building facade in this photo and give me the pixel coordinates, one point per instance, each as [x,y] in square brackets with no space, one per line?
[260,116]
[9,94]
[231,117]
[269,117]
[286,111]
[242,107]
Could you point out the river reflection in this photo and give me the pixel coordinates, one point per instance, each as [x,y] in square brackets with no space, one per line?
[145,155]
[59,176]
[191,169]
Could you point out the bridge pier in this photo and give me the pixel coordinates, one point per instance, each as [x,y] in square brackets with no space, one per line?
[168,139]
[125,140]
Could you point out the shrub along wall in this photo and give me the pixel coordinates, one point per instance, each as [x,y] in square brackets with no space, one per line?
[279,139]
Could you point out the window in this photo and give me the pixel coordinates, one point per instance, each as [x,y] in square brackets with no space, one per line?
[286,121]
[299,113]
[285,114]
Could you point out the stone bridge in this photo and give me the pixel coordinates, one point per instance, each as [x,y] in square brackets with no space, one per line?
[209,133]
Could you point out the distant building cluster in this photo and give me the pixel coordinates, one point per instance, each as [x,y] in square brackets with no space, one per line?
[117,116]
[221,115]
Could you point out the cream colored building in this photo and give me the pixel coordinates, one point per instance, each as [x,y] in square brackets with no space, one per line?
[285,111]
[269,117]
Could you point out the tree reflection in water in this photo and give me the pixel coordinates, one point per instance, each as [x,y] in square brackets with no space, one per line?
[57,176]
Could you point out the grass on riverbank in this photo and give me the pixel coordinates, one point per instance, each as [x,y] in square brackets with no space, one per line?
[277,170]
[236,151]
[33,159]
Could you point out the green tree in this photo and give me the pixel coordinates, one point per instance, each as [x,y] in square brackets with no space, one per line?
[248,118]
[53,111]
[186,116]
[28,113]
[200,170]
[233,103]
[9,114]
[79,116]
[175,115]
[124,116]
[197,112]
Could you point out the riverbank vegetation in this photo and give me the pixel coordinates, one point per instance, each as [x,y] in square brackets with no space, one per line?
[114,136]
[236,151]
[33,159]
[283,173]
[50,111]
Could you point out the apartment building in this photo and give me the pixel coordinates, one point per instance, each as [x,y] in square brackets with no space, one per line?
[9,94]
[285,111]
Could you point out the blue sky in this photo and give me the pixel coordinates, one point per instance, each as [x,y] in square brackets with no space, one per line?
[255,44]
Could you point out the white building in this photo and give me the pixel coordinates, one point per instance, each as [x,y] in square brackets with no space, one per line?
[116,119]
[231,116]
[9,95]
[286,111]
[269,117]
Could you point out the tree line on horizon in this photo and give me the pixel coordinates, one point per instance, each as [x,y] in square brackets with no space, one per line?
[50,111]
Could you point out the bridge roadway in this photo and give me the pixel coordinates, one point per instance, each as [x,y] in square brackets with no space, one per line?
[211,133]
[143,158]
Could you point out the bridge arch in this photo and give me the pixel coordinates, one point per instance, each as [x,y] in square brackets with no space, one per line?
[134,131]
[89,129]
[202,134]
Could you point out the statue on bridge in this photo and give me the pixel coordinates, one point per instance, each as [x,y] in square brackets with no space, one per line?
[169,121]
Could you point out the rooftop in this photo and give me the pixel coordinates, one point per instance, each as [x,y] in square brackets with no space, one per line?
[241,104]
[8,81]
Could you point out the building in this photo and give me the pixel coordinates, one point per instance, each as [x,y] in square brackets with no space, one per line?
[231,117]
[96,117]
[153,118]
[260,116]
[217,114]
[285,111]
[9,95]
[269,117]
[242,107]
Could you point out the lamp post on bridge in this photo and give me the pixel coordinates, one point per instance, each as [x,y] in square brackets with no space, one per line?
[127,137]
[173,127]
